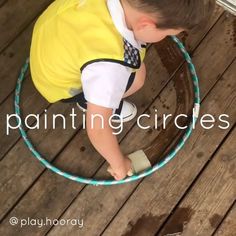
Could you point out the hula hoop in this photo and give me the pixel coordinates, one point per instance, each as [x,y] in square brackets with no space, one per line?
[145,173]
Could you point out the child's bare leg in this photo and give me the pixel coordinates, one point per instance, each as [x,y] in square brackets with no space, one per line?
[139,80]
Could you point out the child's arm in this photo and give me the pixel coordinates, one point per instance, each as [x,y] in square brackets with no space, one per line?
[105,142]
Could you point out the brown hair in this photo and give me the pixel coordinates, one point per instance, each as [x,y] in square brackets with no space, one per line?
[177,14]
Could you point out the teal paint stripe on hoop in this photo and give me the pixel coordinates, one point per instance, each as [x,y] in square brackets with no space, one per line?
[145,173]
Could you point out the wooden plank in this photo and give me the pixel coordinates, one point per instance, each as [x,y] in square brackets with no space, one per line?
[133,139]
[19,169]
[228,226]
[151,207]
[205,205]
[2,2]
[15,15]
[31,169]
[92,198]
[11,61]
[32,103]
[8,82]
[150,204]
[183,101]
[8,143]
[141,102]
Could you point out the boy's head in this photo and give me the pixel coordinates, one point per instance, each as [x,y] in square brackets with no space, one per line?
[153,20]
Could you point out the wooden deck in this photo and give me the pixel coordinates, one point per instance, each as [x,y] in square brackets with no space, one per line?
[194,194]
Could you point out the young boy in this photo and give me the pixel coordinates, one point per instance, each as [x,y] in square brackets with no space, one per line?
[91,52]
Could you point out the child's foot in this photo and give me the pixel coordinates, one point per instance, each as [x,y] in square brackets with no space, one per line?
[127,111]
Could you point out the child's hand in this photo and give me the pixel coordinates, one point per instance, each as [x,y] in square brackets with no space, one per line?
[120,172]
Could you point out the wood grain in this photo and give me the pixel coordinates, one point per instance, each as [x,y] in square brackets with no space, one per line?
[228,226]
[27,190]
[207,202]
[91,202]
[15,15]
[156,196]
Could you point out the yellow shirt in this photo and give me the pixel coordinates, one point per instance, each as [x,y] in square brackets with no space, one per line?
[67,37]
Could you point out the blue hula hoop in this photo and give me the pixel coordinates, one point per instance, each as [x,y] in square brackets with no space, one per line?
[147,172]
